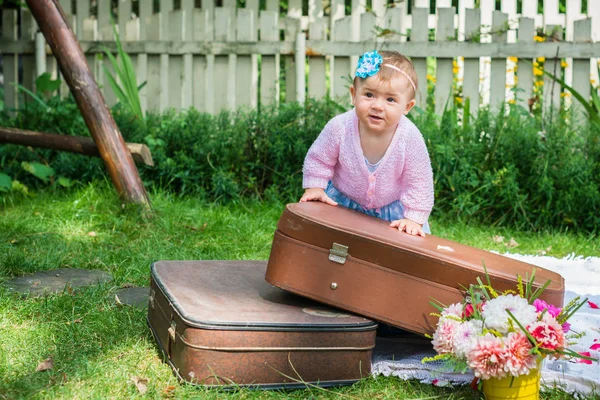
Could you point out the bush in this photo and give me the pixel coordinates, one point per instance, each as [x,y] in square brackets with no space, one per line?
[499,169]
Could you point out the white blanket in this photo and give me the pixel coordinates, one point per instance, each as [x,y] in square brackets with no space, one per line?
[401,356]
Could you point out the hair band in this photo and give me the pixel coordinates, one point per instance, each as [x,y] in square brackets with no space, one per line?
[403,73]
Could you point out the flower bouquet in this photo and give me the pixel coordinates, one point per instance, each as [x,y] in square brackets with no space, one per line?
[503,337]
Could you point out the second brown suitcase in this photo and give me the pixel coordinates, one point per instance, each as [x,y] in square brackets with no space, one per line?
[358,263]
[220,323]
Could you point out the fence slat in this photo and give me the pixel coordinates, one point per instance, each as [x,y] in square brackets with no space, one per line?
[529,8]
[90,32]
[317,83]
[393,23]
[83,12]
[224,66]
[336,12]
[270,64]
[166,5]
[201,31]
[28,28]
[551,15]
[525,73]
[379,7]
[153,86]
[273,5]
[463,6]
[292,26]
[582,32]
[67,6]
[10,61]
[315,10]
[471,65]
[444,74]
[420,33]
[593,10]
[247,66]
[341,67]
[498,65]
[145,12]
[294,8]
[552,89]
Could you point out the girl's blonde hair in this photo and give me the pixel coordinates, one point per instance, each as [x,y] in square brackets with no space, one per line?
[399,61]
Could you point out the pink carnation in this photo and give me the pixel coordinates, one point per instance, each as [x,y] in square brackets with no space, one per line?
[454,310]
[518,359]
[541,305]
[548,333]
[444,335]
[487,358]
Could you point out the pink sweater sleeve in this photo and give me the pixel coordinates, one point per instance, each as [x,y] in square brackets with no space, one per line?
[322,157]
[417,180]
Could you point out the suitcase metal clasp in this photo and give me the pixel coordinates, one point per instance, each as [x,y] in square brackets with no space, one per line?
[172,330]
[338,253]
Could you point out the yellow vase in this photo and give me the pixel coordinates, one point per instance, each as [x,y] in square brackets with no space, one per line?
[524,387]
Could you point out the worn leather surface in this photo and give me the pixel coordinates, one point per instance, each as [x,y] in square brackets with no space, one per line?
[221,294]
[388,275]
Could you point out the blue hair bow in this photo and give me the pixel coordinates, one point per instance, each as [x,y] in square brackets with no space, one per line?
[368,64]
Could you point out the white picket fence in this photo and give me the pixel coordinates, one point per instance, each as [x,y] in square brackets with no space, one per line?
[215,58]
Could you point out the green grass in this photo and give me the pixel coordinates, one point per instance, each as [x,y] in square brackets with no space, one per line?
[98,346]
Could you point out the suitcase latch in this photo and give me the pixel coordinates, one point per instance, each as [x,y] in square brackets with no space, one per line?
[338,253]
[172,330]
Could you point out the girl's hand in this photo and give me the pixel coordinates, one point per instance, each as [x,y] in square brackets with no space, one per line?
[408,226]
[317,194]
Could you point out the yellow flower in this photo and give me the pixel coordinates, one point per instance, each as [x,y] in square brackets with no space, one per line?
[458,99]
[512,101]
[593,81]
[539,39]
[513,59]
[564,64]
[454,64]
[565,94]
[539,83]
[455,70]
[541,59]
[510,70]
[538,71]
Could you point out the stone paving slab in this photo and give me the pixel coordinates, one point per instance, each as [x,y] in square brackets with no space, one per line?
[56,280]
[133,296]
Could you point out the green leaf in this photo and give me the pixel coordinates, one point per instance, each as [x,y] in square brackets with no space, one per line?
[45,83]
[116,88]
[38,170]
[33,96]
[64,182]
[5,183]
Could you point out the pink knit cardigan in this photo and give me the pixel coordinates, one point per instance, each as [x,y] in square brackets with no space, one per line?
[404,172]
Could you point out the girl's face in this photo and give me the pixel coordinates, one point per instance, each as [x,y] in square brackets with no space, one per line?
[379,104]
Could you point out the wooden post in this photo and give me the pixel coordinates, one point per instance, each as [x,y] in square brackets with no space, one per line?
[104,131]
[73,144]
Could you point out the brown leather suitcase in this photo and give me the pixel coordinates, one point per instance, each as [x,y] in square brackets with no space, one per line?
[219,323]
[358,263]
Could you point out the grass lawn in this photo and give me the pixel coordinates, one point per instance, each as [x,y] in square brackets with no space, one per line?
[98,347]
